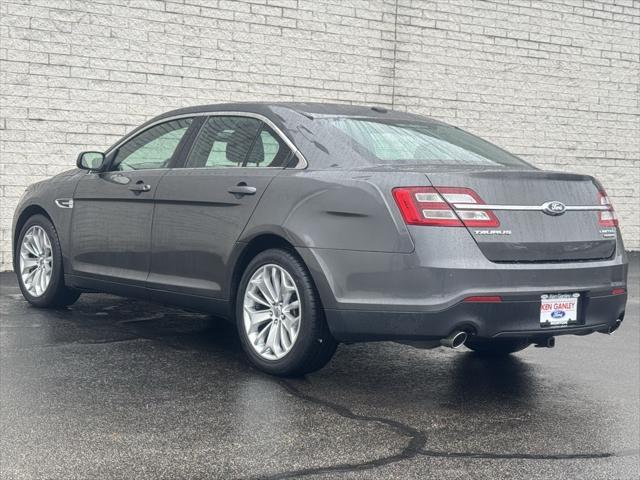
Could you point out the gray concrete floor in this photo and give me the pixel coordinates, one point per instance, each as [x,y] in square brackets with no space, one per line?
[116,388]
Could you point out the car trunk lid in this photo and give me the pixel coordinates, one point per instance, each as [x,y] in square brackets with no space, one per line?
[529,229]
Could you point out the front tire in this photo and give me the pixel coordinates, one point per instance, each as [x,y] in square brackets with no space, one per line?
[38,265]
[279,316]
[497,348]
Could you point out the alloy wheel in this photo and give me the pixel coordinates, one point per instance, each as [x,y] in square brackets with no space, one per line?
[272,312]
[36,261]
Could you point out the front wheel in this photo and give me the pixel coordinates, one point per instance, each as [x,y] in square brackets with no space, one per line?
[279,317]
[39,265]
[496,347]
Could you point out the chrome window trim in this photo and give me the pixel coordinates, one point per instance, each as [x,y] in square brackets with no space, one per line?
[302,164]
[535,208]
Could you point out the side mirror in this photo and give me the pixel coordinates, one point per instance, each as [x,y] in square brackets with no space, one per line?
[93,161]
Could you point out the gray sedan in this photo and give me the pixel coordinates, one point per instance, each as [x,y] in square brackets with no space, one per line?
[314,224]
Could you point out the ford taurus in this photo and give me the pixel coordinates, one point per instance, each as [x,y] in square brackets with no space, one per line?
[314,224]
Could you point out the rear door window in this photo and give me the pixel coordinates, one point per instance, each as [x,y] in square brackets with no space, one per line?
[223,142]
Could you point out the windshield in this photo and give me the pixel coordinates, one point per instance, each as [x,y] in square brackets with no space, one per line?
[405,143]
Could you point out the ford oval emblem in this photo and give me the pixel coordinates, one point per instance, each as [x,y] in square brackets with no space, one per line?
[554,208]
[557,314]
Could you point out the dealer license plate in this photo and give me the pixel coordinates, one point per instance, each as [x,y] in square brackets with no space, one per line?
[559,309]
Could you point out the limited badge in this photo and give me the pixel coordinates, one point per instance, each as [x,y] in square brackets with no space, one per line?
[608,232]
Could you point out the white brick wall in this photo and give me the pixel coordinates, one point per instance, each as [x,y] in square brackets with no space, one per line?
[554,81]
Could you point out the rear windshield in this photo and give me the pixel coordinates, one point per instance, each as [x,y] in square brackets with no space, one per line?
[406,143]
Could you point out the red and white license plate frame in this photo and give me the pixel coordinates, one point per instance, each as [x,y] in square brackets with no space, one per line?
[559,309]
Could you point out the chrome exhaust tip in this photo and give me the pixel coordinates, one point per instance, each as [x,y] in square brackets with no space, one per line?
[455,340]
[612,329]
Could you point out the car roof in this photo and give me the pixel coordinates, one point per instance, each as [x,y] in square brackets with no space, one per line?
[308,109]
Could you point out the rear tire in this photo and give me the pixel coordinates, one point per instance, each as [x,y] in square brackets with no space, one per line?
[496,348]
[307,345]
[55,293]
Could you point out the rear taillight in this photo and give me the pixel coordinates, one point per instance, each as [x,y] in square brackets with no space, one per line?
[606,218]
[433,206]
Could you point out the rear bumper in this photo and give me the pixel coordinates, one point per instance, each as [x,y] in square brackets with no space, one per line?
[510,318]
[420,295]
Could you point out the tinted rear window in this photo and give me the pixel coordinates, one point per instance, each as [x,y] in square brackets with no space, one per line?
[405,143]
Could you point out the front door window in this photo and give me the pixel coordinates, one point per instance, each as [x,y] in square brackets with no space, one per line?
[154,148]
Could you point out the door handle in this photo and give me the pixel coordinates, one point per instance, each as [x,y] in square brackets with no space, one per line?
[242,189]
[140,186]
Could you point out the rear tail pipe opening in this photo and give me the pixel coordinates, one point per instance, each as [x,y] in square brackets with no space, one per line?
[548,342]
[613,327]
[455,340]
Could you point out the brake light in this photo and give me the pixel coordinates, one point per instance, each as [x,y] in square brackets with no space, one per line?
[606,218]
[618,291]
[433,206]
[484,299]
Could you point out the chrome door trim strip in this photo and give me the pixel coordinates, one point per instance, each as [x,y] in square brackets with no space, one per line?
[301,165]
[529,208]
